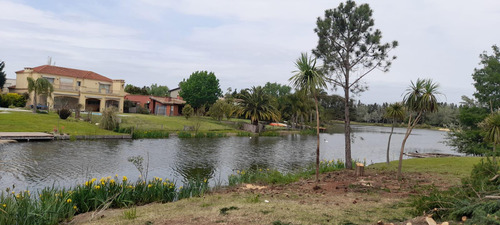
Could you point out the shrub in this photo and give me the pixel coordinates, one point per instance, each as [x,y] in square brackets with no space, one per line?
[182,134]
[64,113]
[12,99]
[142,110]
[187,111]
[109,120]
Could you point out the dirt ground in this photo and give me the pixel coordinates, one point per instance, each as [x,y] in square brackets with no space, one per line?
[339,198]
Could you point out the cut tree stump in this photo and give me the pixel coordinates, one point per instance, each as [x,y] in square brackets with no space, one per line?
[360,169]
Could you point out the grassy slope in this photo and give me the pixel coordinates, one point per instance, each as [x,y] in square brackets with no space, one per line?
[177,123]
[29,122]
[304,209]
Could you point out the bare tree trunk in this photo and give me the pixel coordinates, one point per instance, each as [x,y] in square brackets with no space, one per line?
[408,132]
[347,130]
[34,101]
[317,133]
[389,142]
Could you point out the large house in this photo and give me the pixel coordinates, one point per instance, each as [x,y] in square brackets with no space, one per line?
[91,90]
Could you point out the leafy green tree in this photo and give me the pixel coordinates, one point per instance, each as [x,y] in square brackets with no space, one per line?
[491,127]
[257,105]
[395,112]
[487,79]
[350,49]
[158,90]
[201,88]
[40,86]
[134,90]
[420,98]
[187,111]
[310,79]
[277,90]
[3,76]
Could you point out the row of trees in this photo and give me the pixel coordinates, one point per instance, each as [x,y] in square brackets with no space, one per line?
[154,90]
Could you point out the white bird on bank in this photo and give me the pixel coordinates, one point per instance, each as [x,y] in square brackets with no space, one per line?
[325,140]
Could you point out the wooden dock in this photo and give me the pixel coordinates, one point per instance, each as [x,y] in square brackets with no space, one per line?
[25,136]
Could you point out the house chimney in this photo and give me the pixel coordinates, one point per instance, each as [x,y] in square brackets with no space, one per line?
[28,69]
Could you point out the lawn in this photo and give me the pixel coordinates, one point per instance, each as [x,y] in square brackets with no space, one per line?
[11,121]
[174,123]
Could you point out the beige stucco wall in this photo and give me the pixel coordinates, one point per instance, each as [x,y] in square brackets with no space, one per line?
[88,89]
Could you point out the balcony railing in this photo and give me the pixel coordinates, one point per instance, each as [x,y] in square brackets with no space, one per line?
[82,89]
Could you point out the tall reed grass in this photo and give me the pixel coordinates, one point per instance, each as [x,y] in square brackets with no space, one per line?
[55,205]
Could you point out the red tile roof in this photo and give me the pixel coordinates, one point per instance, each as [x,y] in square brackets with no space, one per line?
[168,100]
[68,72]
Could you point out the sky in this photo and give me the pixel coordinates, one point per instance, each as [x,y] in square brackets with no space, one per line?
[245,43]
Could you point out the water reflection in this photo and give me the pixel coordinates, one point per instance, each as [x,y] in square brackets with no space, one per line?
[64,163]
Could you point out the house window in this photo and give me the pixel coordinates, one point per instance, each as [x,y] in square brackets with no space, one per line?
[50,79]
[105,88]
[78,83]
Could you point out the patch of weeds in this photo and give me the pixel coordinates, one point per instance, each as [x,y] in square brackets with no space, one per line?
[220,221]
[243,134]
[148,223]
[182,134]
[199,135]
[265,212]
[278,222]
[206,205]
[224,210]
[130,214]
[269,134]
[254,199]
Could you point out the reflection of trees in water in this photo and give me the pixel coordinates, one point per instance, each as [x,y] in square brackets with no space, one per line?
[197,158]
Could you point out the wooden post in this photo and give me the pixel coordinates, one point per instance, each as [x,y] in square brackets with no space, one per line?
[360,169]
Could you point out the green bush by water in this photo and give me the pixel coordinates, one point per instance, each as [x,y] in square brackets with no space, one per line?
[271,176]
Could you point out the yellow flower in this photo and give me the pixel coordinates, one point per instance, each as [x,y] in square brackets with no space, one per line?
[167,180]
[116,175]
[161,179]
[4,205]
[112,181]
[205,181]
[237,171]
[150,185]
[103,183]
[40,195]
[75,208]
[260,170]
[69,200]
[125,178]
[87,183]
[97,187]
[242,172]
[18,196]
[267,169]
[93,180]
[164,183]
[13,192]
[180,187]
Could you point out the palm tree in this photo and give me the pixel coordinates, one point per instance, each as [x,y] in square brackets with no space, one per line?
[311,80]
[257,105]
[396,112]
[419,99]
[40,86]
[491,125]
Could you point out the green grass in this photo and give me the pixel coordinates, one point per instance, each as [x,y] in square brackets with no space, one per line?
[29,122]
[459,166]
[172,123]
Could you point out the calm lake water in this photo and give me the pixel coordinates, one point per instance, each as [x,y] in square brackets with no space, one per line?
[32,165]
